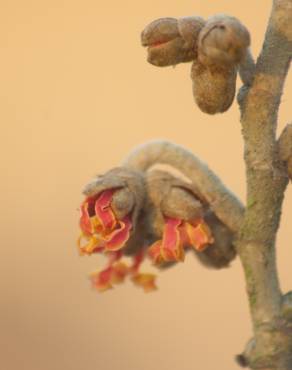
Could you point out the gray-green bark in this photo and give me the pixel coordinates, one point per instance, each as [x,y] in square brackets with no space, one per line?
[266,182]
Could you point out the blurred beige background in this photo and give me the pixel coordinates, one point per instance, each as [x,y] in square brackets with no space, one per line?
[76,96]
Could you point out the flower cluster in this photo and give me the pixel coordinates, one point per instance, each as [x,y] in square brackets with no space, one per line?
[178,235]
[158,217]
[105,233]
[100,227]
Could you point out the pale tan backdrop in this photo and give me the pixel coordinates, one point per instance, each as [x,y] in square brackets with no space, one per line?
[76,96]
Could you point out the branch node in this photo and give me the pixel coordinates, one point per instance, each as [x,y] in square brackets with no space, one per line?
[241,360]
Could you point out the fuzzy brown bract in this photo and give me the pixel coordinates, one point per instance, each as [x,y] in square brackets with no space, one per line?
[223,41]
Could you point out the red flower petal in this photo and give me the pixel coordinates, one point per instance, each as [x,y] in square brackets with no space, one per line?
[103,211]
[171,248]
[117,239]
[84,222]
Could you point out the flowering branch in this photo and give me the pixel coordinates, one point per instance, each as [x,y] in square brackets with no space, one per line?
[135,210]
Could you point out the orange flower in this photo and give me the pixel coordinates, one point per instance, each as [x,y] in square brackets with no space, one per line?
[177,235]
[100,228]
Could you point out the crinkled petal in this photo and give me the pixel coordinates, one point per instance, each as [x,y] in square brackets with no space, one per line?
[118,238]
[200,235]
[146,281]
[171,248]
[103,211]
[88,222]
[84,222]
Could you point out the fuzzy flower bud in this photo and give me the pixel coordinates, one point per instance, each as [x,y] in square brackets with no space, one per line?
[213,87]
[223,41]
[171,41]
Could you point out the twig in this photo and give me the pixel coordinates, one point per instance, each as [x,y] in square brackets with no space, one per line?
[266,183]
[247,69]
[224,204]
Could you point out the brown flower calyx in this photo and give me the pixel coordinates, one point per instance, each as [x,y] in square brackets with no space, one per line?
[171,41]
[213,87]
[223,41]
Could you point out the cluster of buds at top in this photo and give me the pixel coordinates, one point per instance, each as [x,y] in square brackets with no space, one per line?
[171,41]
[216,47]
[127,214]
